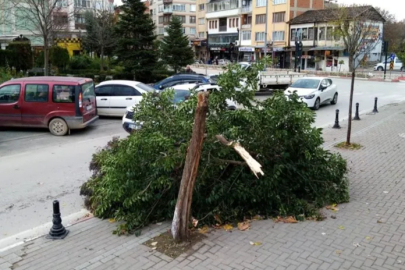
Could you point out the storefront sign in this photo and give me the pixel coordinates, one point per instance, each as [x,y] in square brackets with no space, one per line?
[215,49]
[246,49]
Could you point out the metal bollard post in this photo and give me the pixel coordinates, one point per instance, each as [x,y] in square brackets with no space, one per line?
[357,116]
[299,69]
[375,106]
[57,231]
[336,125]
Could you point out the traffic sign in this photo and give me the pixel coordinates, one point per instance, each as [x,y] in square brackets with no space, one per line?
[392,65]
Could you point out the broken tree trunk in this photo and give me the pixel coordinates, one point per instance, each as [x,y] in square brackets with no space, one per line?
[254,166]
[181,218]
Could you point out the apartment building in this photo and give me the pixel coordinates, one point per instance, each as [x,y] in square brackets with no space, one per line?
[237,28]
[162,11]
[68,15]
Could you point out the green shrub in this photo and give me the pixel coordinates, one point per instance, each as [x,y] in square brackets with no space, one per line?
[137,179]
[80,62]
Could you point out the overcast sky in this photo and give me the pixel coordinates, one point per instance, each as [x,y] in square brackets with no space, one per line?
[396,7]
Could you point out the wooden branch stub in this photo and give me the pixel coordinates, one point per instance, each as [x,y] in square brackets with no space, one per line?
[254,166]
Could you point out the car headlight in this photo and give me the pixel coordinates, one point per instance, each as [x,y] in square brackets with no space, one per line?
[309,96]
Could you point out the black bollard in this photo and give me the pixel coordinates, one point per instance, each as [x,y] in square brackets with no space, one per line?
[336,125]
[299,69]
[57,231]
[357,116]
[375,106]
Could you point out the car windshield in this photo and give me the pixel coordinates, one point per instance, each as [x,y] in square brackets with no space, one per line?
[145,87]
[180,95]
[306,83]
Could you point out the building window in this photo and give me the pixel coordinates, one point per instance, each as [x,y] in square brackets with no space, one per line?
[224,5]
[192,8]
[278,17]
[260,36]
[293,34]
[184,30]
[261,3]
[201,34]
[261,19]
[212,24]
[166,19]
[278,2]
[160,8]
[192,19]
[79,19]
[201,20]
[249,20]
[182,18]
[321,33]
[192,31]
[311,33]
[246,35]
[160,19]
[201,7]
[161,30]
[304,34]
[329,33]
[179,7]
[278,36]
[79,3]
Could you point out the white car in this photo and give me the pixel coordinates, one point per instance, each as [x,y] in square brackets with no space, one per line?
[314,91]
[113,97]
[397,65]
[181,93]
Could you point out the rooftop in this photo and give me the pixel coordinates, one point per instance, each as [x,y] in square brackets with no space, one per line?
[327,15]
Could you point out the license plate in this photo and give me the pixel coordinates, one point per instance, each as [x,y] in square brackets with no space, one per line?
[89,107]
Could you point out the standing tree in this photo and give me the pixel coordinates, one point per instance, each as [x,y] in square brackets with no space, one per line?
[20,54]
[100,36]
[42,18]
[359,28]
[175,49]
[59,57]
[394,31]
[135,45]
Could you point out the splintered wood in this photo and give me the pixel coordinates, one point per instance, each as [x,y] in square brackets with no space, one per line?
[254,166]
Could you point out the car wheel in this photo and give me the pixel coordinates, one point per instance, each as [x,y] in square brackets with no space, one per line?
[380,69]
[58,127]
[317,104]
[335,99]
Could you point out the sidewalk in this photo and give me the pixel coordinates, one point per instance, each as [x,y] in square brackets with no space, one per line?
[367,233]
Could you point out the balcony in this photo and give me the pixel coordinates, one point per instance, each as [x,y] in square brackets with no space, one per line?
[167,1]
[246,26]
[246,9]
[222,28]
[167,11]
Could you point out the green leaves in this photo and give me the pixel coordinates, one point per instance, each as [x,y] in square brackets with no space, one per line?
[137,179]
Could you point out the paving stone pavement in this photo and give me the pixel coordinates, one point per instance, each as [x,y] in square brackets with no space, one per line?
[367,233]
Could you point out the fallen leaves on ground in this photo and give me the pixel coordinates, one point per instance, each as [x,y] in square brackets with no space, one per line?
[111,220]
[255,243]
[369,238]
[203,229]
[218,219]
[257,217]
[227,227]
[289,219]
[338,252]
[154,243]
[332,207]
[243,226]
[341,227]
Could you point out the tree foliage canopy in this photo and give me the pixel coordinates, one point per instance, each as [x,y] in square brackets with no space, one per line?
[136,179]
[135,45]
[175,49]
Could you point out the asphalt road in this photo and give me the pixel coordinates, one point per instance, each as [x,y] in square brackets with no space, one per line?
[37,167]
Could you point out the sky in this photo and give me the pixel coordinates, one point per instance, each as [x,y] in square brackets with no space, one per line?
[396,7]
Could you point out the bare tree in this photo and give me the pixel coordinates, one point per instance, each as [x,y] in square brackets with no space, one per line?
[100,35]
[41,18]
[359,28]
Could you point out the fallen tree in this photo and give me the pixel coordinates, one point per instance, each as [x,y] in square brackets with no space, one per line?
[263,159]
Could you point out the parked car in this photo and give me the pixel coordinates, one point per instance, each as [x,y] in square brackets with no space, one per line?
[113,97]
[224,62]
[181,93]
[398,65]
[58,103]
[181,79]
[244,65]
[314,91]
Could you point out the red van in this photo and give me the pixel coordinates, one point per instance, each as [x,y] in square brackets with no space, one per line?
[58,103]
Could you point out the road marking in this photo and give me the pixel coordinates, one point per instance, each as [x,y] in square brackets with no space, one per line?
[37,232]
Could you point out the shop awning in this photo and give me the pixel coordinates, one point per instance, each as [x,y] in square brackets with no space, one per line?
[327,48]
